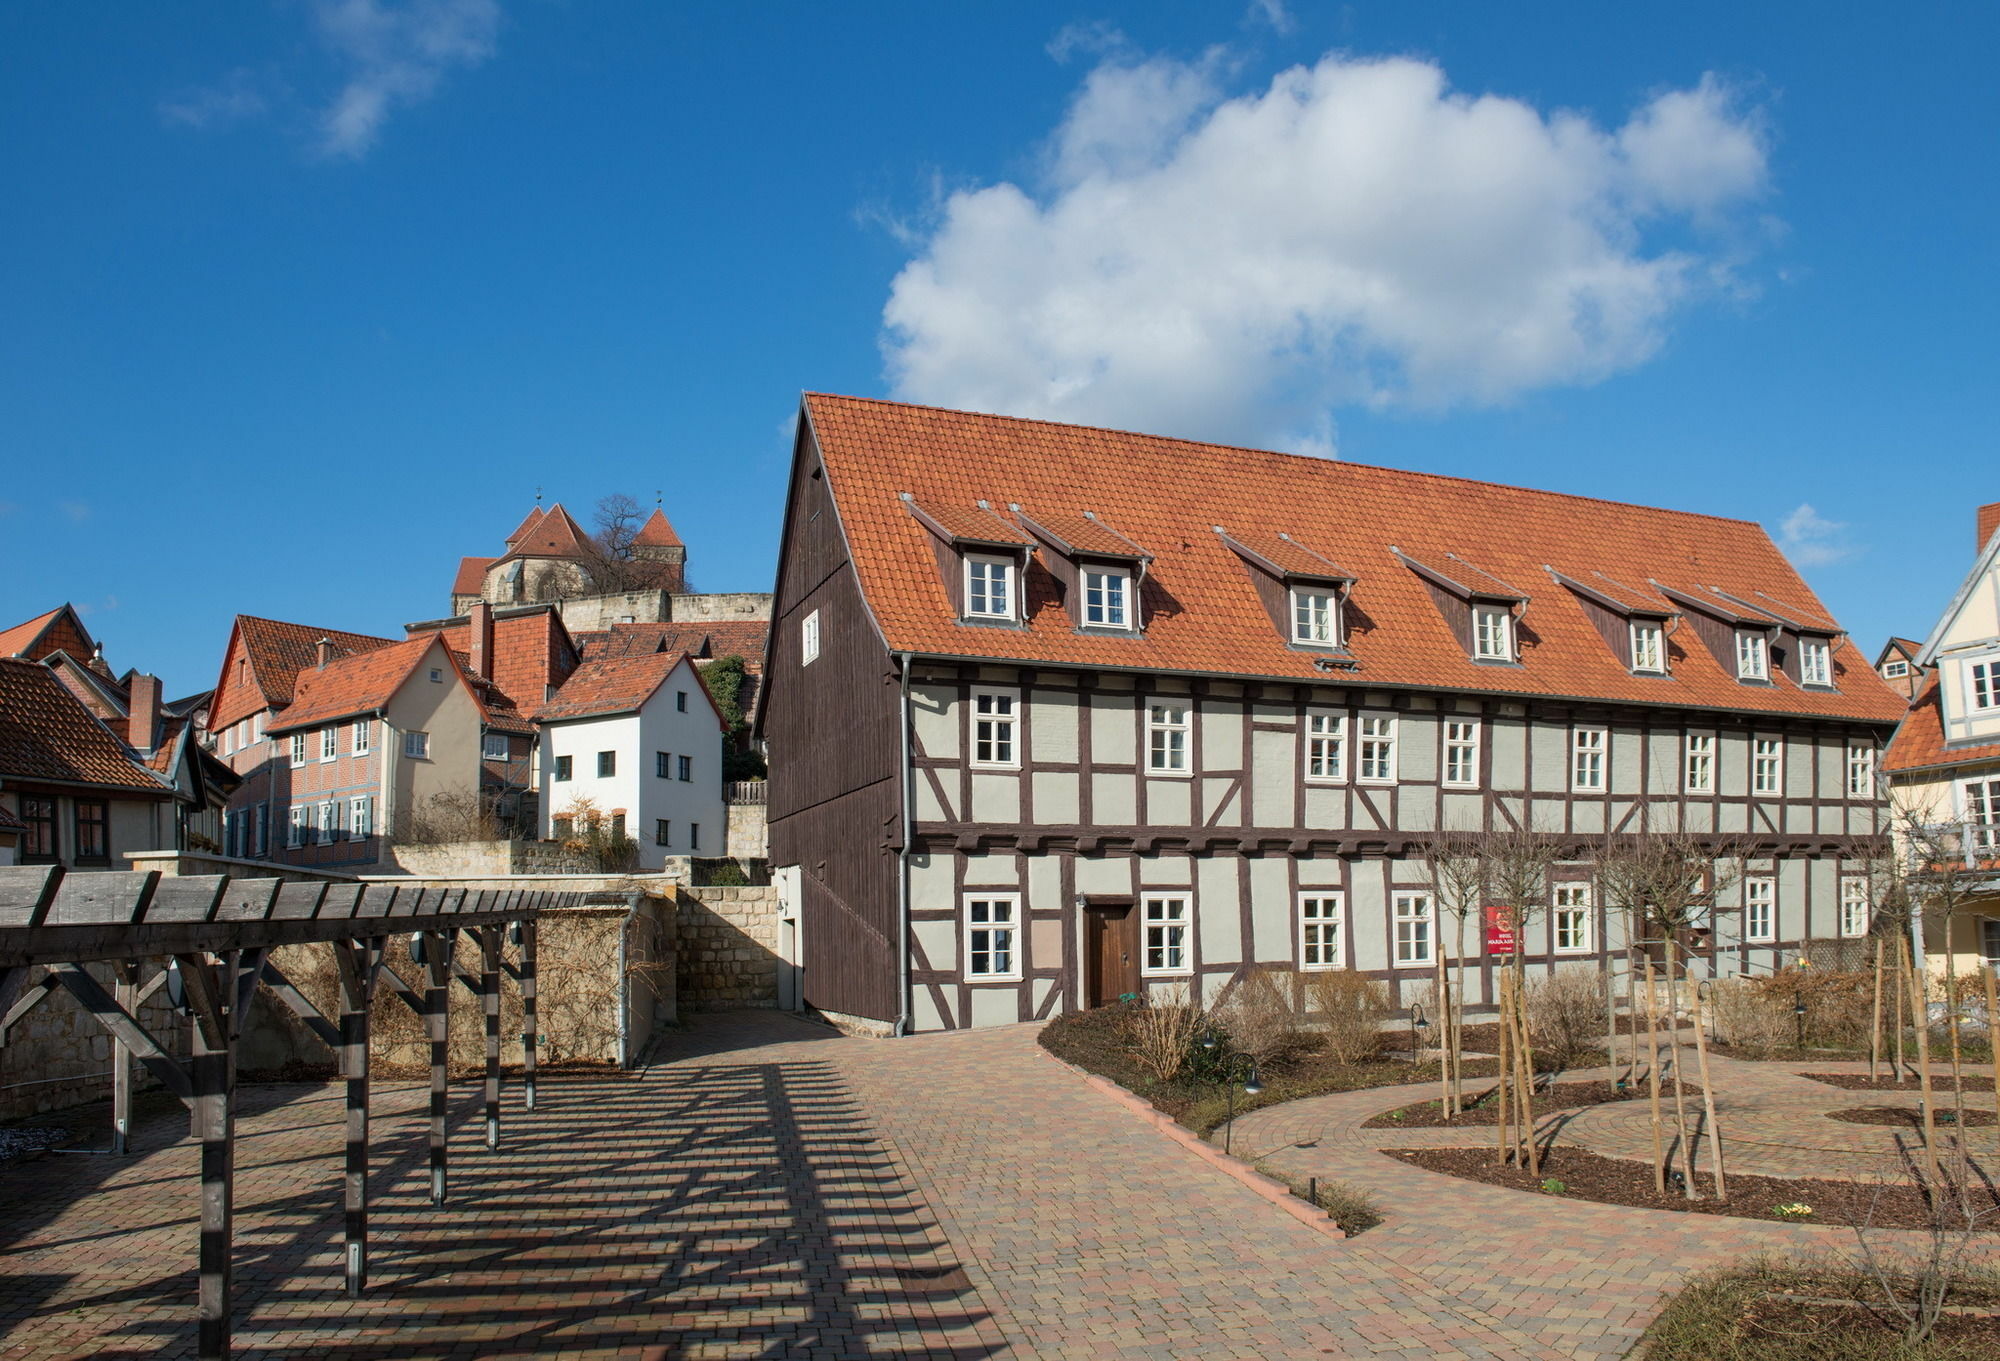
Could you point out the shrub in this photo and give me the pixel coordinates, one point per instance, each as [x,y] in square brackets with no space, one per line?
[1160,1032]
[1259,1017]
[1566,1014]
[448,816]
[1349,1011]
[1745,1018]
[1759,1013]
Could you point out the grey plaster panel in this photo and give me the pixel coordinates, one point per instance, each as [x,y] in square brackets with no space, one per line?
[1417,738]
[1271,911]
[931,883]
[994,869]
[924,1013]
[1172,870]
[1272,779]
[1222,728]
[1113,728]
[1663,775]
[1113,800]
[1551,757]
[1626,748]
[1112,878]
[1507,756]
[1367,912]
[1215,900]
[1463,812]
[939,942]
[1052,727]
[1056,797]
[996,798]
[1168,802]
[1045,887]
[1222,801]
[1320,871]
[996,1006]
[1587,815]
[1326,805]
[934,715]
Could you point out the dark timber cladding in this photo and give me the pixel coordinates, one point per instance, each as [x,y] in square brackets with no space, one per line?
[835,806]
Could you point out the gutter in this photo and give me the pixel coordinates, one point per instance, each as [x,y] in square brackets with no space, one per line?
[906,781]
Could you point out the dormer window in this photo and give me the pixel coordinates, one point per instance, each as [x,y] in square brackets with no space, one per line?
[1815,662]
[1301,590]
[1753,655]
[989,587]
[1982,684]
[1648,647]
[1107,592]
[1478,607]
[1313,616]
[1492,634]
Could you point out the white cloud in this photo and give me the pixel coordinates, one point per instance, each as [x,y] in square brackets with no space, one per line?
[1274,13]
[239,96]
[396,56]
[1356,233]
[1809,539]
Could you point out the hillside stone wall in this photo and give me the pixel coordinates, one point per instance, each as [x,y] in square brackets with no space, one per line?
[727,943]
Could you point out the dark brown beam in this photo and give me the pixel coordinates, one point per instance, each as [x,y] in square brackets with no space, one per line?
[59,944]
[125,1027]
[529,1024]
[437,1022]
[212,1041]
[301,1006]
[21,992]
[357,962]
[489,998]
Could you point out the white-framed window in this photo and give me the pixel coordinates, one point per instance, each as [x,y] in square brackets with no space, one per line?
[1166,922]
[1753,655]
[1326,746]
[329,822]
[989,587]
[1698,767]
[1107,595]
[296,834]
[1982,812]
[1767,765]
[1854,911]
[298,748]
[437,675]
[809,639]
[329,743]
[257,726]
[1649,648]
[1461,753]
[1861,772]
[360,817]
[1322,931]
[228,741]
[1312,616]
[1982,685]
[1586,758]
[1492,633]
[1415,922]
[1815,662]
[994,719]
[1378,749]
[493,746]
[1895,670]
[1167,726]
[417,745]
[1760,909]
[363,735]
[1570,919]
[992,936]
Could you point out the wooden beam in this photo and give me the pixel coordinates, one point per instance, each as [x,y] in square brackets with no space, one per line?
[126,994]
[288,993]
[26,892]
[529,1034]
[437,1023]
[400,988]
[356,963]
[21,992]
[214,1072]
[489,989]
[124,1026]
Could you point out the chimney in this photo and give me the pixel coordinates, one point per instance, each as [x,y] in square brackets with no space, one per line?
[1989,520]
[143,713]
[480,646]
[323,651]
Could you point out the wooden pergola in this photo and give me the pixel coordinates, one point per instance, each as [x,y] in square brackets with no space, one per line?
[209,940]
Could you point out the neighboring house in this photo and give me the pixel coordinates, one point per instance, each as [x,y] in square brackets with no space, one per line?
[60,630]
[1896,663]
[365,741]
[1944,763]
[636,741]
[1060,714]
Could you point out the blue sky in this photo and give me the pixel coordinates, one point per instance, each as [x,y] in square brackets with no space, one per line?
[301,301]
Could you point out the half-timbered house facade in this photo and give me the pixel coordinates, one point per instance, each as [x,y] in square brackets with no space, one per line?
[1059,715]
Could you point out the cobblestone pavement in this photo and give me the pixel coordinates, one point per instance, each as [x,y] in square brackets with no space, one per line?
[769,1189]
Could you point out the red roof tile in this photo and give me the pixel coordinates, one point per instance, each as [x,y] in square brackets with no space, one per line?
[276,652]
[554,535]
[656,532]
[1204,615]
[348,686]
[531,653]
[471,578]
[616,685]
[526,527]
[702,641]
[1919,743]
[57,631]
[47,735]
[1289,556]
[1081,532]
[967,523]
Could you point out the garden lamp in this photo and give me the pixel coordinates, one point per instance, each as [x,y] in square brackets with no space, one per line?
[1419,1023]
[177,988]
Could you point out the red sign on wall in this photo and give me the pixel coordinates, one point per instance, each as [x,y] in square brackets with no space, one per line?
[1499,929]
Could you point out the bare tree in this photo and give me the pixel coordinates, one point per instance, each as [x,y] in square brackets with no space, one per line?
[1516,863]
[1458,884]
[611,556]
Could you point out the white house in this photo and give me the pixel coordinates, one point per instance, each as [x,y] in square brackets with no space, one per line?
[638,741]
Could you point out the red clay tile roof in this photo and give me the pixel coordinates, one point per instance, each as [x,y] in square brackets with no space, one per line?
[1988,522]
[1620,595]
[969,524]
[554,535]
[348,686]
[526,527]
[277,652]
[616,685]
[471,578]
[1919,743]
[1289,556]
[702,641]
[57,631]
[656,532]
[1083,533]
[531,653]
[46,735]
[1203,613]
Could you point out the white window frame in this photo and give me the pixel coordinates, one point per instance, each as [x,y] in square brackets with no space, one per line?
[417,744]
[1107,597]
[1590,760]
[329,820]
[363,736]
[1002,725]
[257,726]
[1767,765]
[1815,662]
[1461,753]
[1169,919]
[1861,772]
[1980,805]
[1322,915]
[1855,908]
[1572,919]
[1895,670]
[1760,894]
[229,740]
[1753,655]
[487,743]
[1169,740]
[1698,757]
[1002,936]
[809,639]
[990,591]
[1982,685]
[1413,918]
[1492,633]
[1315,614]
[1375,749]
[298,749]
[360,817]
[329,742]
[1649,647]
[1325,747]
[299,816]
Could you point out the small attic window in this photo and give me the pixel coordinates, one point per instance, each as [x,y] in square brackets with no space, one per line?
[1815,662]
[1649,647]
[1895,670]
[981,558]
[437,675]
[1098,571]
[1492,633]
[1300,589]
[989,587]
[1315,615]
[1107,595]
[1753,655]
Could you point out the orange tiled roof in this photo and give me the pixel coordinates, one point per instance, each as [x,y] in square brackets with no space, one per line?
[656,532]
[970,524]
[1203,613]
[615,685]
[1919,743]
[1083,532]
[56,631]
[348,686]
[704,642]
[527,525]
[531,653]
[1291,557]
[554,535]
[47,735]
[471,578]
[277,652]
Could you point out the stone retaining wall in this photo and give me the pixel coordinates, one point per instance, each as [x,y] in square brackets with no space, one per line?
[727,941]
[58,1055]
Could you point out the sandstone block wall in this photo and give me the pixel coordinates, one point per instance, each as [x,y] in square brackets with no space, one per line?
[727,940]
[483,859]
[747,833]
[58,1055]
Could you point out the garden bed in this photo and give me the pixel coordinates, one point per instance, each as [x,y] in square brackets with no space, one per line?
[1481,1110]
[1779,1311]
[1909,1117]
[1618,1181]
[1861,1082]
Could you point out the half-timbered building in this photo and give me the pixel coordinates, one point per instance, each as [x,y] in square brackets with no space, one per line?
[1059,715]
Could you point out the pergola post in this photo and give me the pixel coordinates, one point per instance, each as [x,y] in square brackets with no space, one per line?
[529,1031]
[489,998]
[211,1040]
[127,996]
[355,961]
[437,1021]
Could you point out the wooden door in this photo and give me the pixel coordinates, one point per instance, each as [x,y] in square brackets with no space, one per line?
[1111,952]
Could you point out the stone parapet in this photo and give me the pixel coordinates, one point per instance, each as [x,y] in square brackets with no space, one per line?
[727,943]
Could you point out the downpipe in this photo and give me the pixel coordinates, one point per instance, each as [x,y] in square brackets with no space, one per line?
[904,782]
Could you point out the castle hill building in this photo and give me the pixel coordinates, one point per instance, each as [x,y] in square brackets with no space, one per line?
[1060,715]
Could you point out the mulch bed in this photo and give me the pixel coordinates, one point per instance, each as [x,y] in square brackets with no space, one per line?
[1618,1181]
[1861,1082]
[1775,1321]
[1907,1117]
[1483,1110]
